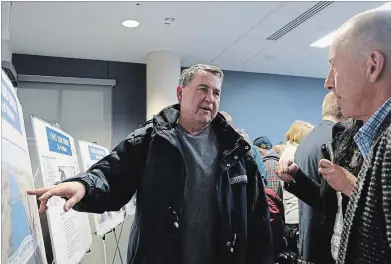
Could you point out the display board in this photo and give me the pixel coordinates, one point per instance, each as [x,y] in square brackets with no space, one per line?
[70,231]
[21,238]
[90,154]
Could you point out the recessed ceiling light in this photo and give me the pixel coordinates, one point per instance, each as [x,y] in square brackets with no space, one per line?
[131,23]
[328,39]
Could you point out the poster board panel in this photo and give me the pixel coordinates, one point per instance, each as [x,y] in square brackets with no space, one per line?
[70,231]
[90,154]
[21,238]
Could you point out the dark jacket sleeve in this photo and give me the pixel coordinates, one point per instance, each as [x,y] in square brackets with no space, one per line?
[112,181]
[260,240]
[306,189]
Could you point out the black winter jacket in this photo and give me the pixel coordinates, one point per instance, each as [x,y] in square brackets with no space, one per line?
[150,162]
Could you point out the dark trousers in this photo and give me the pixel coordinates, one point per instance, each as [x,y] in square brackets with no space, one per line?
[292,237]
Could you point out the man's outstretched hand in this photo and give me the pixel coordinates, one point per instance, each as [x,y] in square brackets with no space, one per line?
[74,191]
[287,170]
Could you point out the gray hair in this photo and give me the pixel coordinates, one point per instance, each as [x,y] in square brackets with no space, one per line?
[189,73]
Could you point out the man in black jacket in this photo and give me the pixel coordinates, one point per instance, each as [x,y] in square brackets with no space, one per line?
[199,197]
[323,196]
[314,241]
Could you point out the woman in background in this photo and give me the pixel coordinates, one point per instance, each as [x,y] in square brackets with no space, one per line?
[295,134]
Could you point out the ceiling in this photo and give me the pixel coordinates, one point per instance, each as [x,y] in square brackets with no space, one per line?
[232,35]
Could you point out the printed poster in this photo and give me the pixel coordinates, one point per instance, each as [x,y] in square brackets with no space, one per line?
[91,154]
[70,231]
[21,238]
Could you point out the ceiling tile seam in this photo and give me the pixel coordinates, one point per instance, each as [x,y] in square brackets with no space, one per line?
[247,31]
[296,61]
[256,54]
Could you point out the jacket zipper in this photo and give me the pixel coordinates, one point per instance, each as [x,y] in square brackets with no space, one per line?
[183,172]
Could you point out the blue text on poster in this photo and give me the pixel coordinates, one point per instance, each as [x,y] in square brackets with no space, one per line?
[58,142]
[96,153]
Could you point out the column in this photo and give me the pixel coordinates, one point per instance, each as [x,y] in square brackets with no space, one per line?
[163,71]
[6,52]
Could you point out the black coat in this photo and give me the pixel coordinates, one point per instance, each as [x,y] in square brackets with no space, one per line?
[150,162]
[323,198]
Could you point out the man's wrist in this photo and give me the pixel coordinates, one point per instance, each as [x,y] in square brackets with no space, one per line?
[349,189]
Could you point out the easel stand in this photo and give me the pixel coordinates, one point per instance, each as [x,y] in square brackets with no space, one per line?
[104,246]
[116,242]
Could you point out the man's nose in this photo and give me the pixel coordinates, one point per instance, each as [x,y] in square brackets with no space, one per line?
[209,97]
[329,83]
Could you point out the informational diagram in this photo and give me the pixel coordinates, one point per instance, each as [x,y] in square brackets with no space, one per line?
[21,238]
[90,154]
[70,231]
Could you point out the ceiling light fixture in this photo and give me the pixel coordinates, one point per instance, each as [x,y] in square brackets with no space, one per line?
[130,23]
[328,39]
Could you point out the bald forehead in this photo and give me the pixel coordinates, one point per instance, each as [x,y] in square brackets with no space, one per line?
[366,32]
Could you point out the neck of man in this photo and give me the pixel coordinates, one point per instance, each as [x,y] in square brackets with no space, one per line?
[333,118]
[192,127]
[382,94]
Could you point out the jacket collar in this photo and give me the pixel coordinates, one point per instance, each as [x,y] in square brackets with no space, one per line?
[230,139]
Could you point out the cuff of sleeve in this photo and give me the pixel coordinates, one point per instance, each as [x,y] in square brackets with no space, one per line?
[297,179]
[89,187]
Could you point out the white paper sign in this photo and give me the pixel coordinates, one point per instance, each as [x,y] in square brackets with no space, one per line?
[90,154]
[21,236]
[70,231]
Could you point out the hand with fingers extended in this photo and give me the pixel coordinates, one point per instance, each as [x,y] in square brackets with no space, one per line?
[73,191]
[287,170]
[337,177]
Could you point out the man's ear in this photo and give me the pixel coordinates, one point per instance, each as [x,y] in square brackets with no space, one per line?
[375,65]
[179,90]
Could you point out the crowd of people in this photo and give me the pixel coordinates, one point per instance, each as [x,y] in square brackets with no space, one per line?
[208,194]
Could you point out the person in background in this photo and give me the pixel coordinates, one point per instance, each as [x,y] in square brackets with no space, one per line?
[264,145]
[253,152]
[270,161]
[314,240]
[295,134]
[199,194]
[279,148]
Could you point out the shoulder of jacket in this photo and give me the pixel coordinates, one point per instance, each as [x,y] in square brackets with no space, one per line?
[145,130]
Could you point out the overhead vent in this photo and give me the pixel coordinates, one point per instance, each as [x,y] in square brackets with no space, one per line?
[299,20]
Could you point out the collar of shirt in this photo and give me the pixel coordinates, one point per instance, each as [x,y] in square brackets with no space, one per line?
[370,129]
